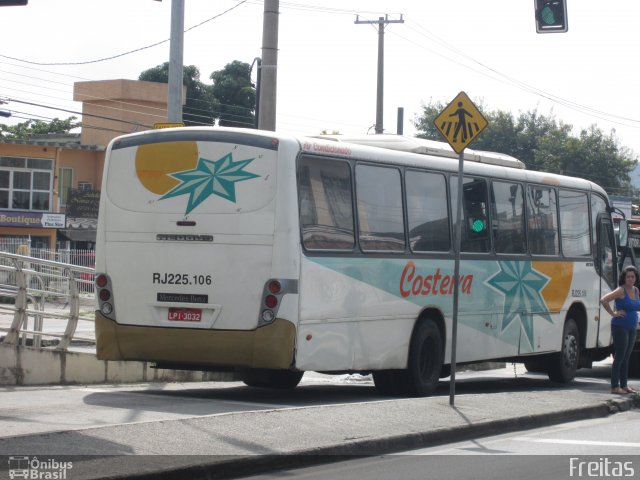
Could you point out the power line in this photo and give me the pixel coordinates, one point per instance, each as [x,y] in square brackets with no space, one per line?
[86,62]
[504,78]
[78,113]
[494,74]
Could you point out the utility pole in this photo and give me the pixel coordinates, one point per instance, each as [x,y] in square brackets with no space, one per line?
[268,70]
[174,101]
[382,21]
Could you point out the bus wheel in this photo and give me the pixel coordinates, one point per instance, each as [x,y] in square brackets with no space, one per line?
[537,366]
[425,359]
[563,365]
[263,378]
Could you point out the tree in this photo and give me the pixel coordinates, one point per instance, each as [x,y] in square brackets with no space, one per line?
[199,107]
[24,130]
[546,144]
[235,96]
[231,98]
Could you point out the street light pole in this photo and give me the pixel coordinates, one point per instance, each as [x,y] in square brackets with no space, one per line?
[174,101]
[269,69]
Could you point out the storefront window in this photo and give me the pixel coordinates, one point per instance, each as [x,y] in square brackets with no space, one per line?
[25,183]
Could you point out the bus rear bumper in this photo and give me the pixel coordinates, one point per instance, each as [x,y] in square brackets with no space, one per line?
[271,346]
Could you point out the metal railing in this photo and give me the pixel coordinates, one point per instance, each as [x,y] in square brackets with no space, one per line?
[72,256]
[43,298]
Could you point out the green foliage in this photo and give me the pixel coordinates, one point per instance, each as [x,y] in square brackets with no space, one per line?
[231,98]
[235,97]
[198,109]
[24,130]
[546,144]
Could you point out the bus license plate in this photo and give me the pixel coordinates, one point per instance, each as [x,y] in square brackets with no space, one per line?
[185,314]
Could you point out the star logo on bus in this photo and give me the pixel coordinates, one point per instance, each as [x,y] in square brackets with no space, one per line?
[210,178]
[521,286]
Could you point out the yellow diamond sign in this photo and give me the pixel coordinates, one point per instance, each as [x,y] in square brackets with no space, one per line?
[460,122]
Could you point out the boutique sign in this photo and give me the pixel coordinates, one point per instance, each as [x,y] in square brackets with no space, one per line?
[32,219]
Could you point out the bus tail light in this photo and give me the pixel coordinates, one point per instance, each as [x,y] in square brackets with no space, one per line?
[275,286]
[271,301]
[272,293]
[105,297]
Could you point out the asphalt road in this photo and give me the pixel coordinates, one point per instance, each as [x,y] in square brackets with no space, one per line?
[588,448]
[214,430]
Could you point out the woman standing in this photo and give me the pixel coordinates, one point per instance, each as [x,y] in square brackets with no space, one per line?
[624,325]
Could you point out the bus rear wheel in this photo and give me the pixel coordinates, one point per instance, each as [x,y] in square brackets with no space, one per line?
[563,365]
[425,359]
[264,378]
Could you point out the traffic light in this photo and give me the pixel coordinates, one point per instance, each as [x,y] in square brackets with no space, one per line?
[551,16]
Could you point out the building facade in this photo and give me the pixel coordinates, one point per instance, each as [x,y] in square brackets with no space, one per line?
[50,184]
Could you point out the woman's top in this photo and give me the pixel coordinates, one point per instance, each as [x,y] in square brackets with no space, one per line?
[630,307]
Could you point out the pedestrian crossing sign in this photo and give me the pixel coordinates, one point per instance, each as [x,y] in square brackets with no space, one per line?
[460,122]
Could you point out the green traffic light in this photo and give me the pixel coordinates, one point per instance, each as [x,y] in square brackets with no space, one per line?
[547,15]
[477,226]
[551,16]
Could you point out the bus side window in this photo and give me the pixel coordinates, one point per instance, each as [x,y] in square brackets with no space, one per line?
[542,218]
[326,208]
[574,221]
[507,217]
[379,206]
[429,229]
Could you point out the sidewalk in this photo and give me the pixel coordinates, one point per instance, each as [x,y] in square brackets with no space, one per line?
[224,445]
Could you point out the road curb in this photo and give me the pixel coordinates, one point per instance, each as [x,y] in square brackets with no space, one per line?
[255,464]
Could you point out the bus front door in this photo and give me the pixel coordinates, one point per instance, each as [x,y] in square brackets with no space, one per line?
[606,265]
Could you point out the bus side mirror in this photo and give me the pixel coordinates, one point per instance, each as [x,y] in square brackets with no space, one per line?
[622,233]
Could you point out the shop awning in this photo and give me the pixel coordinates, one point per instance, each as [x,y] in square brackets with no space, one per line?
[79,234]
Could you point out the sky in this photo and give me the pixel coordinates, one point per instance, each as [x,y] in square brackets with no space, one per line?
[327,63]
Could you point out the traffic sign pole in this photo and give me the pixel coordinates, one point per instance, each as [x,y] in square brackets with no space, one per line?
[456,281]
[460,123]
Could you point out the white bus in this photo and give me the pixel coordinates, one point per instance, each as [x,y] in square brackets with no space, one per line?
[270,255]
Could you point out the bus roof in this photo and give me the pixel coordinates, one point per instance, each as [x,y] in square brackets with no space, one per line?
[490,163]
[426,147]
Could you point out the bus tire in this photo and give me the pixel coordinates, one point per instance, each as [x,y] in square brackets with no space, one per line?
[563,365]
[280,379]
[537,366]
[425,359]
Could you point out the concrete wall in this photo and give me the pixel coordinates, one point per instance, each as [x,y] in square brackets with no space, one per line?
[30,366]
